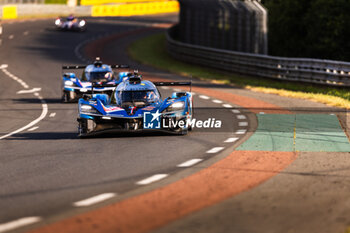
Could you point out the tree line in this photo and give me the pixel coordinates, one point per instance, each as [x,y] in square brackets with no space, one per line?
[314,29]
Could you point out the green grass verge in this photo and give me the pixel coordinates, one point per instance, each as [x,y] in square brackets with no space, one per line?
[151,50]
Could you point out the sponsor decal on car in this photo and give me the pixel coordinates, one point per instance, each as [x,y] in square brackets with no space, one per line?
[112,109]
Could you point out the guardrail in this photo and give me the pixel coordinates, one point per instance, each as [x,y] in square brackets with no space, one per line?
[22,2]
[31,10]
[333,73]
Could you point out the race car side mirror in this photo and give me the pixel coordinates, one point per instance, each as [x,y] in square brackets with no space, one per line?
[178,94]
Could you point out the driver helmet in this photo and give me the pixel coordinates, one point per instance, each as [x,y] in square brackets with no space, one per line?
[108,75]
[70,17]
[151,96]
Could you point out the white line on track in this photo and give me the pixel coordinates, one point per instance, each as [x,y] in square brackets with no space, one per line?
[243,123]
[94,200]
[29,91]
[227,106]
[261,113]
[20,81]
[31,124]
[78,47]
[11,37]
[165,88]
[204,97]
[34,128]
[43,105]
[217,101]
[177,89]
[26,33]
[229,140]
[236,111]
[18,223]
[241,117]
[190,163]
[241,131]
[151,179]
[52,114]
[215,150]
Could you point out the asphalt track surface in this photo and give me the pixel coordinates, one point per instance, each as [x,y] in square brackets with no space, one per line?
[45,170]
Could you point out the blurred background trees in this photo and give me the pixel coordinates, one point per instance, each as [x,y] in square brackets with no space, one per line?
[315,28]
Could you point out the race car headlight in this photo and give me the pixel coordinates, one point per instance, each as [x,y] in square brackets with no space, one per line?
[57,22]
[177,106]
[68,83]
[82,23]
[87,109]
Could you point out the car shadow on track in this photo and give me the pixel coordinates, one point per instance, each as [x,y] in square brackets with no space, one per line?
[74,135]
[36,100]
[44,136]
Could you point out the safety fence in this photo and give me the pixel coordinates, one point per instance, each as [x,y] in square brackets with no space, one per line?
[35,10]
[124,9]
[135,9]
[102,2]
[22,2]
[333,73]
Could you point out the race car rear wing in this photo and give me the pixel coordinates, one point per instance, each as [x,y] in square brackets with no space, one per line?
[97,85]
[172,83]
[93,85]
[84,66]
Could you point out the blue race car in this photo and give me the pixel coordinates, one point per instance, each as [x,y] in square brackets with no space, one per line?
[73,87]
[135,105]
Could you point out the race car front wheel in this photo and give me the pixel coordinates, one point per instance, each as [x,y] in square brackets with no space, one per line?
[85,126]
[68,96]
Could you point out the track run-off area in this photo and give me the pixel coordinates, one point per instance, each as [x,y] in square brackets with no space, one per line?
[278,164]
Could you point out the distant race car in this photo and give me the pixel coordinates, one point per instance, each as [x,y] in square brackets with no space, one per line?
[74,86]
[135,105]
[70,23]
[0,29]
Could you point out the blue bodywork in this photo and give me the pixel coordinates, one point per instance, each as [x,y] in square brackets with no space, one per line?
[73,86]
[131,105]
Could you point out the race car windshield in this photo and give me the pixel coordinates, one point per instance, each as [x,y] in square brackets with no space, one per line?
[137,96]
[96,76]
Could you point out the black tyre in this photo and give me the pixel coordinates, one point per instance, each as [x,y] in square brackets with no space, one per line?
[68,96]
[82,127]
[65,97]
